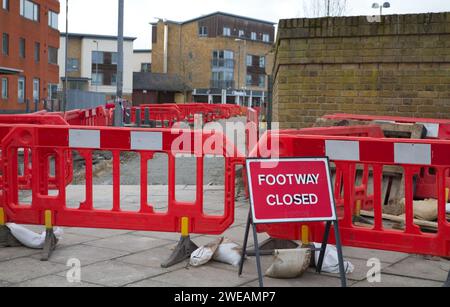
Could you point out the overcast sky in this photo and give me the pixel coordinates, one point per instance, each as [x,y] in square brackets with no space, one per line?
[100,16]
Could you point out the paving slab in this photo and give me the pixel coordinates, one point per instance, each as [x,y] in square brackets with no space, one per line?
[205,276]
[53,281]
[9,253]
[4,284]
[393,281]
[129,243]
[307,280]
[153,258]
[150,283]
[96,233]
[115,273]
[85,253]
[419,267]
[23,269]
[366,254]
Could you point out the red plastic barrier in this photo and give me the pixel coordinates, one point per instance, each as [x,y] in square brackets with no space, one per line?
[347,153]
[165,115]
[58,141]
[437,128]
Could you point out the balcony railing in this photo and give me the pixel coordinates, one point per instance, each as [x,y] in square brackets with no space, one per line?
[222,84]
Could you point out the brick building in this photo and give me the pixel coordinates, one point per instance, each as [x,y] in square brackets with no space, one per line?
[399,66]
[218,56]
[29,53]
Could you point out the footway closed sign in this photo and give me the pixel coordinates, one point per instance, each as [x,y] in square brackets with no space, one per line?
[290,190]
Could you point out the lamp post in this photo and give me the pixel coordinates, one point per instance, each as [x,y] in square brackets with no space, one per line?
[380,6]
[66,60]
[239,40]
[96,67]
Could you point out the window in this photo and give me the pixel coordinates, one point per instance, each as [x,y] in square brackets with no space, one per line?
[52,55]
[254,37]
[114,79]
[203,31]
[29,10]
[262,62]
[146,67]
[262,81]
[73,65]
[5,44]
[5,5]
[226,31]
[97,79]
[266,38]
[249,80]
[114,57]
[241,33]
[52,91]
[36,90]
[249,60]
[97,57]
[53,20]
[4,88]
[37,52]
[21,90]
[22,48]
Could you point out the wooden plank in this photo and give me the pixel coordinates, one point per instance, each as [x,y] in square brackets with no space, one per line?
[401,219]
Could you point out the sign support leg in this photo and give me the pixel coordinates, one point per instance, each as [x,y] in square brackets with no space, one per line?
[340,254]
[324,247]
[258,256]
[244,249]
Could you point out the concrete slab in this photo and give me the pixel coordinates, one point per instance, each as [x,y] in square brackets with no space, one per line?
[4,284]
[308,280]
[96,233]
[85,253]
[150,283]
[24,269]
[205,276]
[115,273]
[393,281]
[9,253]
[153,258]
[418,267]
[129,243]
[54,281]
[366,254]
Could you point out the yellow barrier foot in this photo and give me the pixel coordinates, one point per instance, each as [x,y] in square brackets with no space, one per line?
[182,252]
[49,245]
[7,239]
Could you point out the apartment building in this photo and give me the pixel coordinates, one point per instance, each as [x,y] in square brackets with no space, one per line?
[92,63]
[28,53]
[222,57]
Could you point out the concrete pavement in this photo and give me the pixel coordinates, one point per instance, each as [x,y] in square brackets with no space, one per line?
[132,259]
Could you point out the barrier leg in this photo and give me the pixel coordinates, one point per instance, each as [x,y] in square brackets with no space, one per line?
[6,238]
[50,238]
[447,283]
[184,248]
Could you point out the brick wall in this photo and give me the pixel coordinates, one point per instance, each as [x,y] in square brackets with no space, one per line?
[400,66]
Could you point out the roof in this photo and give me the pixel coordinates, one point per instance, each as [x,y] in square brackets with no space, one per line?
[142,51]
[9,71]
[96,36]
[158,82]
[222,14]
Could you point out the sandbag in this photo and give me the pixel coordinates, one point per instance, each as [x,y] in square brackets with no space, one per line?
[447,208]
[229,252]
[289,263]
[205,253]
[331,260]
[29,238]
[426,210]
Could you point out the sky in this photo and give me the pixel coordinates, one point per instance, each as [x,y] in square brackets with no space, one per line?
[100,16]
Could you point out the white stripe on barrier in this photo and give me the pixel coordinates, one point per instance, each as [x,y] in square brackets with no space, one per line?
[432,129]
[342,150]
[412,153]
[84,138]
[146,140]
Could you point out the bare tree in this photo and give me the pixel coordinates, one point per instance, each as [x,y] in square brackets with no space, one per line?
[324,8]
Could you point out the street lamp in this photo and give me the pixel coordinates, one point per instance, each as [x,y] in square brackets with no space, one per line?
[96,67]
[380,6]
[239,40]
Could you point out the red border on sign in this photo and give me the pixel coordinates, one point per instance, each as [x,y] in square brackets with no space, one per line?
[331,211]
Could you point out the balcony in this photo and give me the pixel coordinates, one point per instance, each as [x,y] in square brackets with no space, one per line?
[225,63]
[222,84]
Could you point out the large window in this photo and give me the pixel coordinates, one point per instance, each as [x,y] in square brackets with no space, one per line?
[254,36]
[52,91]
[97,79]
[53,55]
[222,69]
[21,90]
[22,48]
[4,88]
[223,58]
[97,57]
[5,44]
[262,62]
[5,5]
[226,31]
[53,20]
[29,10]
[266,38]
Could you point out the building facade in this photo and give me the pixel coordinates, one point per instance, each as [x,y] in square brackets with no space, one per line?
[142,60]
[222,57]
[29,53]
[92,64]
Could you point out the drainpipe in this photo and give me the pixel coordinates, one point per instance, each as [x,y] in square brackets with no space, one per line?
[166,45]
